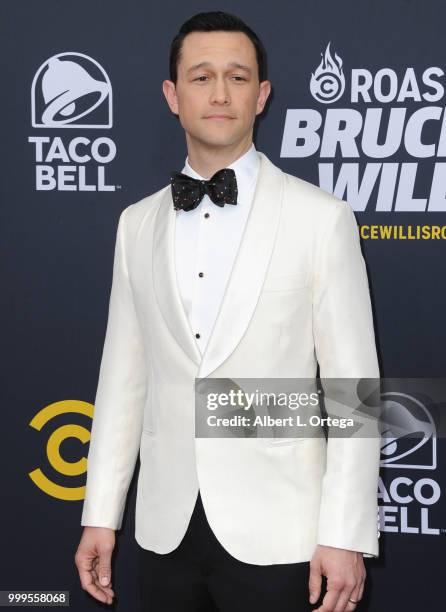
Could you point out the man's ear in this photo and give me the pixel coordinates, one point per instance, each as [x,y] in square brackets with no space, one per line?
[171,95]
[265,90]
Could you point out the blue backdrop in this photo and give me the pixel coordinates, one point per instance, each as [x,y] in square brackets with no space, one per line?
[357,107]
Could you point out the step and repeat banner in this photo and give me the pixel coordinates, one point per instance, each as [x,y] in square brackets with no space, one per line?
[358,108]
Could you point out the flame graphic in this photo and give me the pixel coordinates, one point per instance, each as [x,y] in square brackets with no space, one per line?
[327,81]
[328,64]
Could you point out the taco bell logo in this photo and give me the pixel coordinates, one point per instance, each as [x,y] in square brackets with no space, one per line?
[71,91]
[408,442]
[328,82]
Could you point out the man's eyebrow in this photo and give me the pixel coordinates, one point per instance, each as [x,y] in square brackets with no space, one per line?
[230,65]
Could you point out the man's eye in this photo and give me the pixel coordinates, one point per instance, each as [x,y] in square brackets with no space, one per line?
[203,77]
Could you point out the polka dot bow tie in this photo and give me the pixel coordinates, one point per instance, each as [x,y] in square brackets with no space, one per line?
[187,192]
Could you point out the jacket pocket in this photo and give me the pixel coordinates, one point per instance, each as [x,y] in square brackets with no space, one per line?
[283,441]
[286,282]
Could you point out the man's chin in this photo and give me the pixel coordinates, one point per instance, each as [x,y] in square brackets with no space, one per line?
[218,140]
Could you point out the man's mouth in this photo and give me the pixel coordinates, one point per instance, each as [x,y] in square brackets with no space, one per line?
[220,117]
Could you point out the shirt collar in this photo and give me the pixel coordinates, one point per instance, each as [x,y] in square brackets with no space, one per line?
[245,167]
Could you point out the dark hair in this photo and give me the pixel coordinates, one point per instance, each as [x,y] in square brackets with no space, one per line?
[214,21]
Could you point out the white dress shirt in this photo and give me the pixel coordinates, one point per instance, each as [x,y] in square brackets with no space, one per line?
[207,239]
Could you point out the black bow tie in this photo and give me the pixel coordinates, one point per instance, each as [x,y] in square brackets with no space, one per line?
[187,192]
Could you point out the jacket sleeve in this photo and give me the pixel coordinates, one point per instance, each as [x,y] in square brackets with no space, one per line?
[345,348]
[119,404]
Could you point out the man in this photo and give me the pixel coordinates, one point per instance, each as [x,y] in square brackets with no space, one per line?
[254,273]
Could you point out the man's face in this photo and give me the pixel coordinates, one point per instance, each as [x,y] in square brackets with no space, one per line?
[217,95]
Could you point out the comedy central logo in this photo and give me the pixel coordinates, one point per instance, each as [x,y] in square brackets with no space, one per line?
[328,82]
[60,473]
[71,91]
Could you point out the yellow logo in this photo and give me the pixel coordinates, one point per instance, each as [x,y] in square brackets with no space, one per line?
[67,468]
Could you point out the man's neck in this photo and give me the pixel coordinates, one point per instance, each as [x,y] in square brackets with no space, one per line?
[206,161]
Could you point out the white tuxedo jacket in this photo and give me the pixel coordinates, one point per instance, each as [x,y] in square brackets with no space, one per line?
[298,294]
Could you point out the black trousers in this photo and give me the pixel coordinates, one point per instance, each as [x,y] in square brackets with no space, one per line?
[201,576]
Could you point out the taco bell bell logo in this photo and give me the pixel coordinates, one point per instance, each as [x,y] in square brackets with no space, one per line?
[68,90]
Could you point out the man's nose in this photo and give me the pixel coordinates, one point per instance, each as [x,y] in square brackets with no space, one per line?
[220,92]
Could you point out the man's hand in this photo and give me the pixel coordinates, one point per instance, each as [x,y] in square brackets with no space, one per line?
[345,574]
[93,561]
